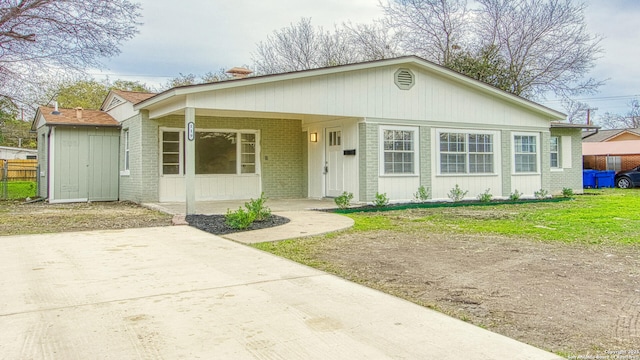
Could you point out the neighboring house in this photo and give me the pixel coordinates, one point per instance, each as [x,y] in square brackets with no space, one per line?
[77,154]
[611,149]
[13,153]
[387,126]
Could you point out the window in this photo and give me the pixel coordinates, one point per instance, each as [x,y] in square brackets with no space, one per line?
[614,163]
[526,155]
[125,135]
[216,152]
[399,151]
[554,151]
[171,152]
[466,153]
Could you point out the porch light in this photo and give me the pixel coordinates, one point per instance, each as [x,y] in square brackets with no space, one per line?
[313,137]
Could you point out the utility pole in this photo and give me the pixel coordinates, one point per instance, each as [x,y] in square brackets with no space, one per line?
[589,115]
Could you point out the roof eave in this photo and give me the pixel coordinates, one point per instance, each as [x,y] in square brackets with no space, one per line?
[412,59]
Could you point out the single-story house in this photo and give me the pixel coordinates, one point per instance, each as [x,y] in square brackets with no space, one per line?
[14,153]
[617,149]
[387,126]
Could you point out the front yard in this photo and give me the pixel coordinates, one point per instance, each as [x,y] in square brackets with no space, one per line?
[562,276]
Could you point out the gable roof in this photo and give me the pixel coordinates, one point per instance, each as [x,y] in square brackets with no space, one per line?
[405,60]
[70,117]
[116,97]
[606,135]
[134,97]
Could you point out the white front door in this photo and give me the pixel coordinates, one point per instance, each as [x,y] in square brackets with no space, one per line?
[333,169]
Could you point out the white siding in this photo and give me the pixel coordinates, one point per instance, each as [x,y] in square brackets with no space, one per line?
[371,93]
[399,188]
[212,187]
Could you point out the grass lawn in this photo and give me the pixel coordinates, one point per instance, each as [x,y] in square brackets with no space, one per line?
[606,216]
[19,189]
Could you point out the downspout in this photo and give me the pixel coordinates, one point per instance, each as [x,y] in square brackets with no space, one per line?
[49,162]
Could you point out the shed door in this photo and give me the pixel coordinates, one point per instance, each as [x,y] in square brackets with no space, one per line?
[334,171]
[103,168]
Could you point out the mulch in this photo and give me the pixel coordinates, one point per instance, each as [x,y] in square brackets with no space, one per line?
[215,224]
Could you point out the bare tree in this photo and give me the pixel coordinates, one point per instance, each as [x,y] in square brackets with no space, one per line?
[373,41]
[577,112]
[545,43]
[430,28]
[41,37]
[631,120]
[302,46]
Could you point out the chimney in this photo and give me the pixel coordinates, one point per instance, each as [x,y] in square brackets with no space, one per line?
[55,108]
[239,72]
[79,112]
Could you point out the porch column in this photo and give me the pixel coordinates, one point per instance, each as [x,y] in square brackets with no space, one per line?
[190,159]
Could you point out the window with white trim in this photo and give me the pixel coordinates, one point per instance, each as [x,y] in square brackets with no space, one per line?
[216,152]
[172,150]
[466,153]
[554,151]
[525,153]
[399,154]
[125,135]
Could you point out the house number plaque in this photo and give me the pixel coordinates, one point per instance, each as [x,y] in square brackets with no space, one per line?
[190,131]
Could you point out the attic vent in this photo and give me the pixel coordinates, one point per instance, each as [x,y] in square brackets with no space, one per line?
[115,102]
[404,79]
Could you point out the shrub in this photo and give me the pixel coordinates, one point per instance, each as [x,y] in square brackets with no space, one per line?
[486,196]
[239,219]
[258,208]
[344,200]
[381,200]
[515,195]
[422,194]
[456,194]
[567,192]
[541,194]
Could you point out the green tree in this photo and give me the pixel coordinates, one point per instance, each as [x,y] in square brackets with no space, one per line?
[486,65]
[90,93]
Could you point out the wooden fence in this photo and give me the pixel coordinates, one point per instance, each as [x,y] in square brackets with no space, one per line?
[19,170]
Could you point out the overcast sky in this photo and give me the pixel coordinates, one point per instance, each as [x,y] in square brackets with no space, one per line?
[198,36]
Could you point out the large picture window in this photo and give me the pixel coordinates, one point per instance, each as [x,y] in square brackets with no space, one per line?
[526,153]
[217,152]
[466,153]
[399,151]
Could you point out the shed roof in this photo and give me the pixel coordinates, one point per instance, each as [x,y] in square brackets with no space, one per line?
[625,147]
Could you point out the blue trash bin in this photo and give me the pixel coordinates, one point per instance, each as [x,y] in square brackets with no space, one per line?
[605,179]
[589,179]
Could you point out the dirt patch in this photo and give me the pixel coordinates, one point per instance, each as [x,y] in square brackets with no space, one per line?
[571,299]
[37,218]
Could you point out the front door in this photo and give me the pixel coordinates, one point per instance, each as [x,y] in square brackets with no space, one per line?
[333,170]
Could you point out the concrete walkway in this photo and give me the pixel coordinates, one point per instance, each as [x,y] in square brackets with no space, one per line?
[180,293]
[303,220]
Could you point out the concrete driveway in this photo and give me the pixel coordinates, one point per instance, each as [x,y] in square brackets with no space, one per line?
[179,293]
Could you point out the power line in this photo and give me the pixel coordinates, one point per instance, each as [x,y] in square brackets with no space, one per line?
[601,98]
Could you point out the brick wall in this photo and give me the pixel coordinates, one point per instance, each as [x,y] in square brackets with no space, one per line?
[368,156]
[281,140]
[567,177]
[599,162]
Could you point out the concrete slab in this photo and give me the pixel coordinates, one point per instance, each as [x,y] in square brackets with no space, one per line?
[179,293]
[221,206]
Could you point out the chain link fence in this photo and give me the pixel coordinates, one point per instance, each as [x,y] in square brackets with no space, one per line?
[18,179]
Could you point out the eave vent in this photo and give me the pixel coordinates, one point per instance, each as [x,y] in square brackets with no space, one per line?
[404,79]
